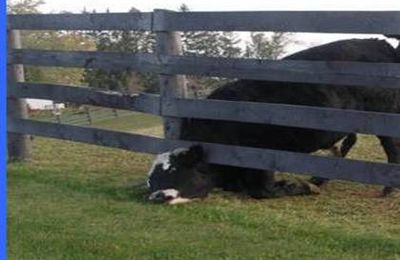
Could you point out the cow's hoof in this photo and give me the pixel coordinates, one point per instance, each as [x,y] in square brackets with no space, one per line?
[313,189]
[318,181]
[389,191]
[261,194]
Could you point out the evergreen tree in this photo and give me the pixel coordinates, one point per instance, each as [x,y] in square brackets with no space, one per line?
[122,41]
[229,45]
[211,44]
[263,47]
[24,6]
[49,40]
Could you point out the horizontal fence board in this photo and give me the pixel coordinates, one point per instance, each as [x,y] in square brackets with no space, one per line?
[333,168]
[327,72]
[148,103]
[87,135]
[98,21]
[329,119]
[143,62]
[377,22]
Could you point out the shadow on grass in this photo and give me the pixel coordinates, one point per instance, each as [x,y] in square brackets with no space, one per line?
[136,191]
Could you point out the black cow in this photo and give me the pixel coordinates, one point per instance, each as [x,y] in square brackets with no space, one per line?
[182,174]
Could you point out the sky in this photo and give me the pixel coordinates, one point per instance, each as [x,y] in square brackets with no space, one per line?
[221,5]
[303,40]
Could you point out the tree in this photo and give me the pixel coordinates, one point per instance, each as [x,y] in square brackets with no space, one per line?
[262,46]
[24,6]
[49,40]
[53,40]
[211,44]
[229,45]
[122,41]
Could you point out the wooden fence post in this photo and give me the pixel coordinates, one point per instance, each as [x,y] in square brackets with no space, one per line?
[19,146]
[89,116]
[56,113]
[115,112]
[171,86]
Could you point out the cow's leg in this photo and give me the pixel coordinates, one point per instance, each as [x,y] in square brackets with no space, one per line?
[294,188]
[263,185]
[231,181]
[392,150]
[341,152]
[347,144]
[320,181]
[259,184]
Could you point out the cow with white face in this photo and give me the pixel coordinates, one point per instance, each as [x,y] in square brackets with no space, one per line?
[182,175]
[179,176]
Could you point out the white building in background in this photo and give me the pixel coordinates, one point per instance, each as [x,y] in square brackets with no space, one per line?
[42,104]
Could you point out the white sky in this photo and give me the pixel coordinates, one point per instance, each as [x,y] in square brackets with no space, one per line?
[221,5]
[306,40]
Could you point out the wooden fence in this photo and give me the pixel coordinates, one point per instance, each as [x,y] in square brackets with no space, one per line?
[171,104]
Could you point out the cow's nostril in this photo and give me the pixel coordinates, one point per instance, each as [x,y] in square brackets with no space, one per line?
[160,195]
[164,195]
[169,197]
[156,196]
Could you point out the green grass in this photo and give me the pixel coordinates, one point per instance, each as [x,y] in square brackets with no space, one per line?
[129,122]
[77,201]
[102,118]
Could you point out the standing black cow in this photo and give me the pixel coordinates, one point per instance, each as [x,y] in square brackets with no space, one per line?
[182,174]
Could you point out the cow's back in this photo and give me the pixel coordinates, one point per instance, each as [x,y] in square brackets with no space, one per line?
[298,139]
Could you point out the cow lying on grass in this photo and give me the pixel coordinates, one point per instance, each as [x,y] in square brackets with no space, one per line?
[182,174]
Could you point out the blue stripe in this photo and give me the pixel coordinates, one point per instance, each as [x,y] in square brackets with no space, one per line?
[3,93]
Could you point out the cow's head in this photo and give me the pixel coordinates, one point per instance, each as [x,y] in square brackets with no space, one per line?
[179,176]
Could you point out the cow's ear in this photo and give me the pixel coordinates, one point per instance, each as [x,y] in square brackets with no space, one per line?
[196,153]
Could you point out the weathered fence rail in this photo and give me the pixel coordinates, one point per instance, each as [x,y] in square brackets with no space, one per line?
[288,115]
[171,104]
[279,114]
[336,73]
[290,21]
[286,21]
[332,72]
[108,21]
[147,103]
[367,172]
[143,62]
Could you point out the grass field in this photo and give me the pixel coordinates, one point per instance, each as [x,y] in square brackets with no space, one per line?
[77,201]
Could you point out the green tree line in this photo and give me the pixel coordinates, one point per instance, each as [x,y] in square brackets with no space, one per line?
[201,43]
